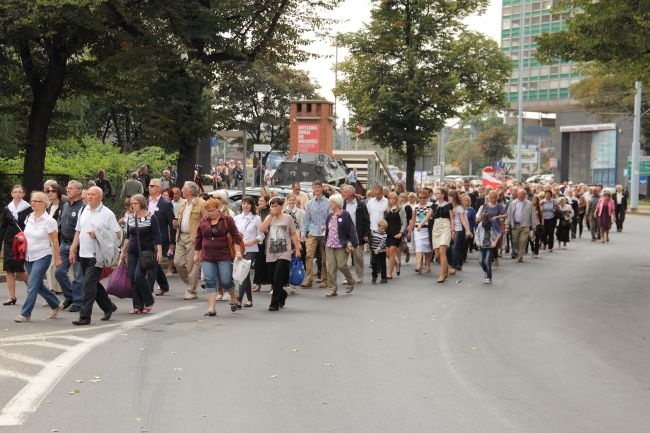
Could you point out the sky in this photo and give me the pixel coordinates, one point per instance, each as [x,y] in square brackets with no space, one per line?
[352,14]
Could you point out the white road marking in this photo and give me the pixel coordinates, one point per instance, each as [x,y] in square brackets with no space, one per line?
[30,397]
[38,343]
[14,375]
[22,358]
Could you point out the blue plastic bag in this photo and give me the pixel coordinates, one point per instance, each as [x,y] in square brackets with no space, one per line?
[119,283]
[296,272]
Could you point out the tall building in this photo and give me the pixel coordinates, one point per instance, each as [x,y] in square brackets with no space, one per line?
[546,85]
[584,148]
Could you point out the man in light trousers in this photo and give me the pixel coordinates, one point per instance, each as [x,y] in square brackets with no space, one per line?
[520,218]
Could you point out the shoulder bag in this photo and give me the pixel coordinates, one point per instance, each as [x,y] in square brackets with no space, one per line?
[146,259]
[19,244]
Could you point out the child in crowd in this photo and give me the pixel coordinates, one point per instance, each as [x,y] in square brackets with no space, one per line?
[486,238]
[378,252]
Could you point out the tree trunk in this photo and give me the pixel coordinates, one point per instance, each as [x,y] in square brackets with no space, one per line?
[45,94]
[410,166]
[186,160]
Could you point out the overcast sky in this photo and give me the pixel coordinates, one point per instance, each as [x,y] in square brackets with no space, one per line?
[352,13]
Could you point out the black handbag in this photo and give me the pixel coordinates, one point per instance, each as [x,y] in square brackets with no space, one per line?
[146,259]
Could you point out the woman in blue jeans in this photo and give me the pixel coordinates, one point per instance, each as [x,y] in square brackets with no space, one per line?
[42,243]
[487,236]
[212,251]
[143,224]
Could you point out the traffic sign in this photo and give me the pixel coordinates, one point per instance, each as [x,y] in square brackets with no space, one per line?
[644,166]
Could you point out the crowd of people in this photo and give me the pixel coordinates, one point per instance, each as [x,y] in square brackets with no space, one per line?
[69,238]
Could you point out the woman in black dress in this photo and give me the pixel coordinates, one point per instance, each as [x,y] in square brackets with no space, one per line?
[260,276]
[12,221]
[395,216]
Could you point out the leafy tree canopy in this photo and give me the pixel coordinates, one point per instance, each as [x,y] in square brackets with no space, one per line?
[414,66]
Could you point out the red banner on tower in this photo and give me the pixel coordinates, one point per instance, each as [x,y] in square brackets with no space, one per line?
[308,137]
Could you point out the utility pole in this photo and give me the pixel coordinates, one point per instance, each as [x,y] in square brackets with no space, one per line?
[520,117]
[636,148]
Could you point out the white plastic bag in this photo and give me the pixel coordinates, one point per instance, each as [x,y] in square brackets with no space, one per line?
[240,270]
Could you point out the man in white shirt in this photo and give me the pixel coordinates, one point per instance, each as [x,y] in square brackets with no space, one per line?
[376,206]
[95,222]
[301,197]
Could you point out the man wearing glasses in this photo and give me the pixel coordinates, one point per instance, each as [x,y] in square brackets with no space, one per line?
[72,292]
[163,211]
[187,222]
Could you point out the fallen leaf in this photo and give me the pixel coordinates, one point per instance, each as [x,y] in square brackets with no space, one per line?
[425,333]
[203,416]
[138,419]
[97,377]
[474,348]
[54,430]
[178,369]
[328,364]
[79,381]
[295,350]
[451,362]
[124,335]
[325,402]
[141,349]
[95,380]
[179,378]
[274,376]
[173,353]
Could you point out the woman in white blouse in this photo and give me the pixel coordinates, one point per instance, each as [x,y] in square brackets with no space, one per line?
[248,224]
[42,243]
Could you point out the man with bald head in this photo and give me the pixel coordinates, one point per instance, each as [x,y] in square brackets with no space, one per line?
[520,221]
[97,236]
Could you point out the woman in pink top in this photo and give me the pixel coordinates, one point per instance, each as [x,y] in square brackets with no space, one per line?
[605,214]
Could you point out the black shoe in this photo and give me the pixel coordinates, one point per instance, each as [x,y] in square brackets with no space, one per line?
[109,313]
[383,281]
[81,322]
[210,314]
[273,308]
[66,304]
[74,308]
[374,280]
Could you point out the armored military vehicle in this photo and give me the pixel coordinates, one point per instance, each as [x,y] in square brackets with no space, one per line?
[306,167]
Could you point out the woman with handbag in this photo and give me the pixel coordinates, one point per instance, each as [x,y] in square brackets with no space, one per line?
[142,251]
[41,233]
[340,241]
[12,223]
[549,208]
[54,192]
[281,234]
[248,224]
[260,277]
[218,242]
[565,216]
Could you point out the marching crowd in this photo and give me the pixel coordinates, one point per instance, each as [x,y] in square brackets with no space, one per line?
[70,239]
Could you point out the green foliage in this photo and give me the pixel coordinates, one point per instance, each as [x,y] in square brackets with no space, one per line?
[414,66]
[256,98]
[495,142]
[611,38]
[81,159]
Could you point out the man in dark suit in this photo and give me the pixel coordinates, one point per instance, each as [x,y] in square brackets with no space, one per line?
[163,211]
[361,220]
[620,199]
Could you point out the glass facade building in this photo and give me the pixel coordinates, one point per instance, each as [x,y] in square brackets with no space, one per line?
[546,86]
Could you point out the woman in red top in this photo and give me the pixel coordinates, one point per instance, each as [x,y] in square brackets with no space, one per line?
[212,251]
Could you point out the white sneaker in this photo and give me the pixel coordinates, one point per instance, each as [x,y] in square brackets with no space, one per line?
[487,281]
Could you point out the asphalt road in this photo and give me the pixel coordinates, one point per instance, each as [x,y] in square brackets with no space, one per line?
[558,344]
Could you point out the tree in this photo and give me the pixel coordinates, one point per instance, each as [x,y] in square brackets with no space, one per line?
[50,49]
[414,66]
[611,39]
[495,143]
[256,99]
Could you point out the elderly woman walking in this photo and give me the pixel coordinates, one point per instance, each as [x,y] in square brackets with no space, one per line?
[142,234]
[340,241]
[42,243]
[212,248]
